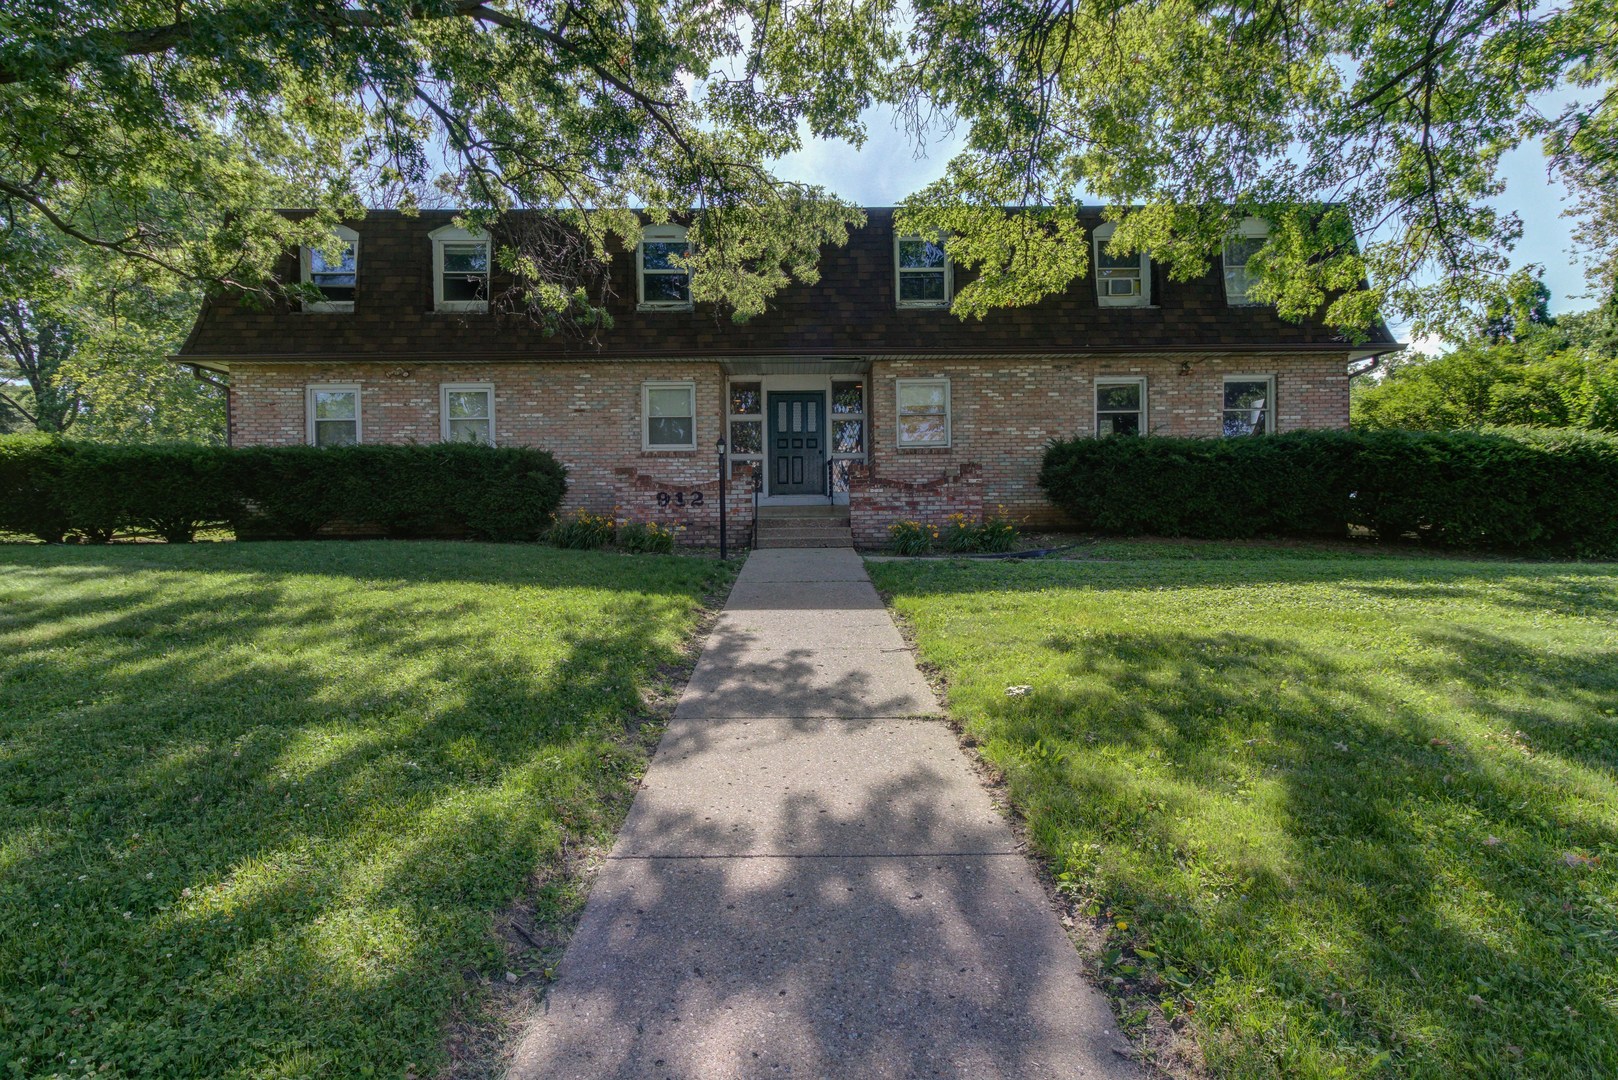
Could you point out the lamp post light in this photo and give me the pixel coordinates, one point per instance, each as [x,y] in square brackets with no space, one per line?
[724,551]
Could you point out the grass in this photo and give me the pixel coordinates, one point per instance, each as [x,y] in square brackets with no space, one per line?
[1343,815]
[261,805]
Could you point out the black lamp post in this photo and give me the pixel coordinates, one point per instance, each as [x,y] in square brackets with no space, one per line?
[724,552]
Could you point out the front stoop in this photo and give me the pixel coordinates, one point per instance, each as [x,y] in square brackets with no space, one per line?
[804,527]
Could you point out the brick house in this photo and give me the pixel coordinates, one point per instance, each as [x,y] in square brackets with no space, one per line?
[861,394]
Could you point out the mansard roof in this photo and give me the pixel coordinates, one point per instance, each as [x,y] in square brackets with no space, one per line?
[850,313]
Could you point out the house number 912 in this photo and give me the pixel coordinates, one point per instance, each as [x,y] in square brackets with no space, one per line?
[679,498]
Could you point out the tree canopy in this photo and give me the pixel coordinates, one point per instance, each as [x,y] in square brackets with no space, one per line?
[84,344]
[1367,134]
[166,132]
[1521,367]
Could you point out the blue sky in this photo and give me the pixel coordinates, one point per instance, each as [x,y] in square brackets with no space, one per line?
[886,169]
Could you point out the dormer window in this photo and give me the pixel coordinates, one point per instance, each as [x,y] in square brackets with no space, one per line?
[663,284]
[1121,280]
[333,270]
[922,274]
[1240,247]
[460,270]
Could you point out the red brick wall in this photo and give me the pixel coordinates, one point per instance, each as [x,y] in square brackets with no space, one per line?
[1004,412]
[588,415]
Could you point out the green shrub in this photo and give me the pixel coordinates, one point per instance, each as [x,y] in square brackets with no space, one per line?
[439,489]
[53,488]
[582,530]
[650,538]
[171,490]
[30,472]
[911,537]
[291,491]
[1545,491]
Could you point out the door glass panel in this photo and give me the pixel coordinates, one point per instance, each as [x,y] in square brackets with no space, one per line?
[797,416]
[746,399]
[848,436]
[811,409]
[746,437]
[848,398]
[781,416]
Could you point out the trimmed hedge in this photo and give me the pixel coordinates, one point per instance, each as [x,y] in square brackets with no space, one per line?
[1546,491]
[54,488]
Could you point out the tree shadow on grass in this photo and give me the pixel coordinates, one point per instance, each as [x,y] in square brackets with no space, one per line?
[1347,865]
[255,822]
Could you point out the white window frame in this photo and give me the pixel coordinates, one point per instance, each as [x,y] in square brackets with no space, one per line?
[1269,402]
[444,391]
[1251,228]
[660,234]
[1103,234]
[309,392]
[306,263]
[899,272]
[1103,381]
[646,388]
[453,234]
[949,415]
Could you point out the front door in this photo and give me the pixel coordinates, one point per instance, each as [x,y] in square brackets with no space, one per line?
[797,443]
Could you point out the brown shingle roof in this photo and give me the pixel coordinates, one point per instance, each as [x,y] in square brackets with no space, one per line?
[850,311]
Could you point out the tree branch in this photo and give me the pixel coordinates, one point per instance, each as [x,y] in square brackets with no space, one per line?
[151,40]
[24,413]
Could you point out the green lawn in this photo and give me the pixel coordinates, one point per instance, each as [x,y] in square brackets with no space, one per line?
[261,804]
[1349,812]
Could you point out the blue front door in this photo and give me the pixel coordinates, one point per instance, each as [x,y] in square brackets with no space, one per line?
[797,442]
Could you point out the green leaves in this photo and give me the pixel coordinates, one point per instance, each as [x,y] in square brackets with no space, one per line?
[1368,134]
[188,127]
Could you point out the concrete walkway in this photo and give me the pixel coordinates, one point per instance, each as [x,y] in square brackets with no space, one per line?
[811,881]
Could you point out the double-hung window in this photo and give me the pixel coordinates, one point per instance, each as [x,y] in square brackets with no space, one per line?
[460,270]
[1249,404]
[1240,247]
[922,274]
[468,413]
[333,415]
[922,412]
[664,284]
[669,416]
[1120,406]
[1121,280]
[334,271]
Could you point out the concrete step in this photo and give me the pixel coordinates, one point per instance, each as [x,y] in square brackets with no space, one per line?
[804,534]
[818,541]
[802,523]
[835,531]
[803,513]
